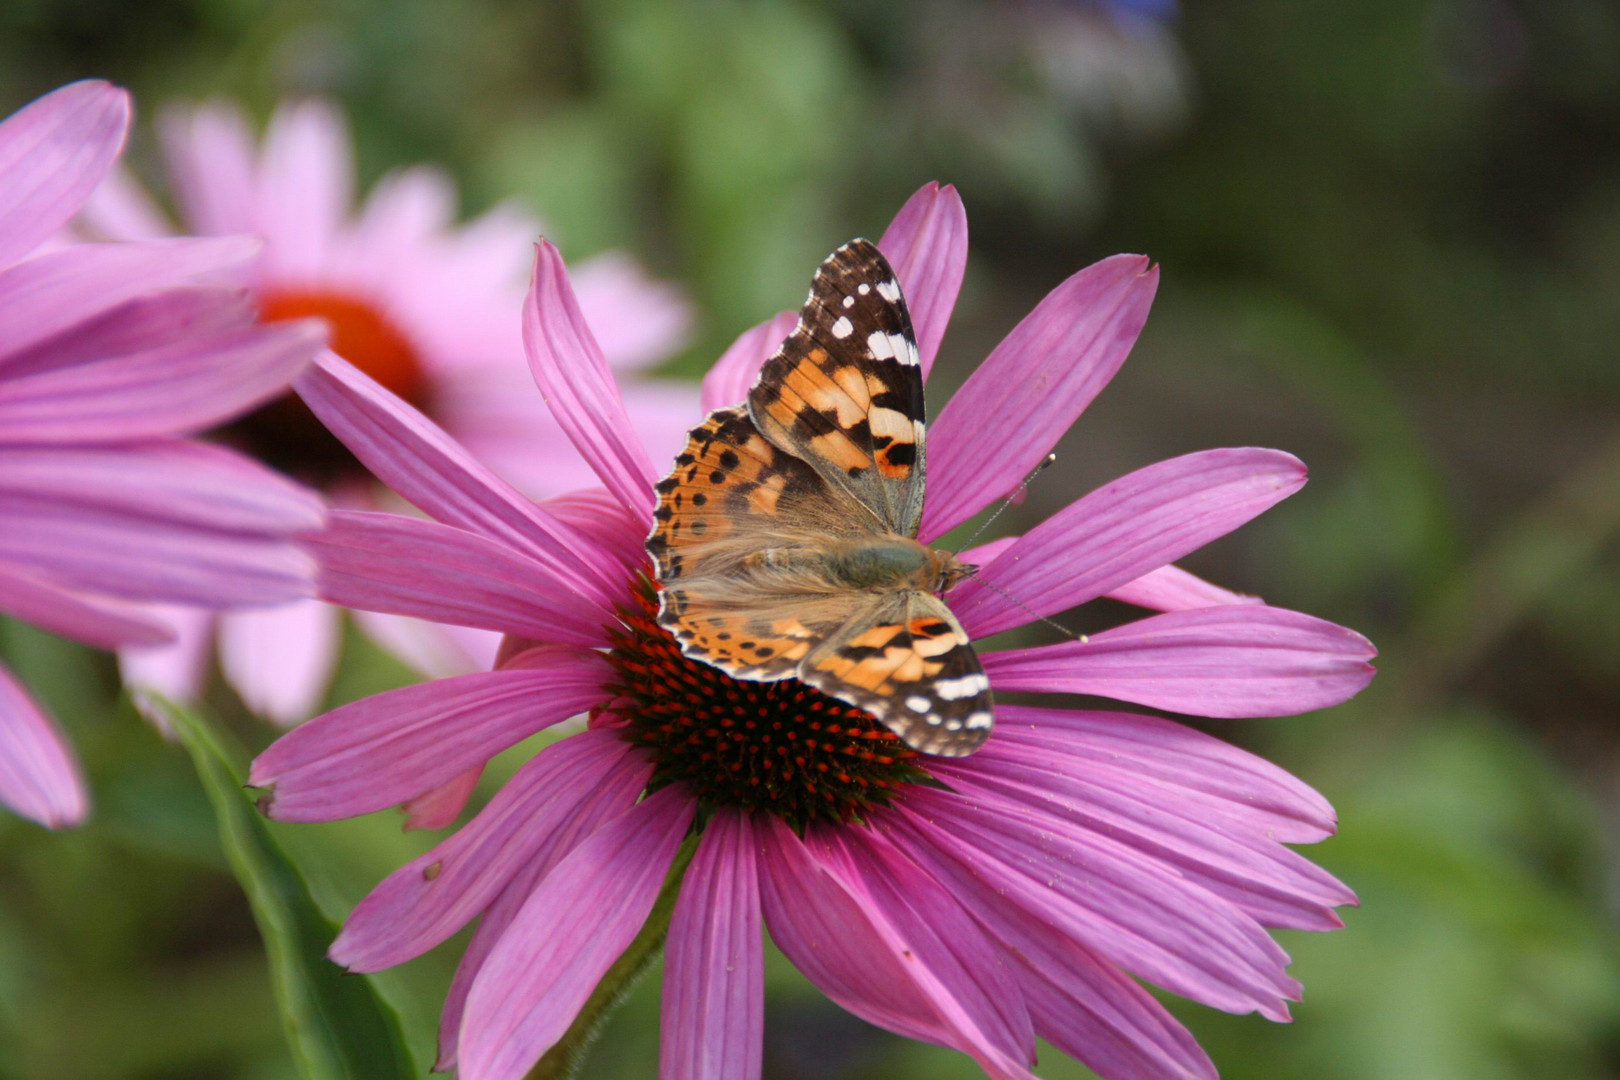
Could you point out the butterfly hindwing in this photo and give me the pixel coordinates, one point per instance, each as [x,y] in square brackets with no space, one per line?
[908,662]
[844,392]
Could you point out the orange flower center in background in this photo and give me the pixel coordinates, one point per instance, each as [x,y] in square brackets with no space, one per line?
[361,334]
[283,432]
[780,747]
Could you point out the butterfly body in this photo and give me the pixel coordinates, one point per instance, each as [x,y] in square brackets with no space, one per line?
[785,538]
[883,564]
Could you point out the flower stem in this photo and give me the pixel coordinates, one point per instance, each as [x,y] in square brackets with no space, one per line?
[563,1060]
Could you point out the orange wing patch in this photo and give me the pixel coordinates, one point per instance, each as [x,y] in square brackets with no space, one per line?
[727,472]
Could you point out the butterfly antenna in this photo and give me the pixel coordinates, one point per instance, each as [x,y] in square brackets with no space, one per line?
[1025,608]
[1008,501]
[973,571]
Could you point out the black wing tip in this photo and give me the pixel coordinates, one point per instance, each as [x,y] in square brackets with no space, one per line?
[857,252]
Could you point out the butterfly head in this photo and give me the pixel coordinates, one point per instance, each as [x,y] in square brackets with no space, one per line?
[952,572]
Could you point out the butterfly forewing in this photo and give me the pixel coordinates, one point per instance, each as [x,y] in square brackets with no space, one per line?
[732,495]
[845,392]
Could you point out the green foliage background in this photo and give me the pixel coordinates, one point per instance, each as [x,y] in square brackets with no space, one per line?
[1388,232]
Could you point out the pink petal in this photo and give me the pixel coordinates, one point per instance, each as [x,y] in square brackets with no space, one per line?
[927,244]
[211,163]
[439,808]
[1227,856]
[120,209]
[1121,531]
[408,566]
[1130,752]
[1170,588]
[551,803]
[1127,907]
[499,417]
[598,515]
[856,953]
[496,413]
[1084,1005]
[985,554]
[409,453]
[940,932]
[484,939]
[663,411]
[306,186]
[405,211]
[733,375]
[94,620]
[1097,1014]
[53,292]
[280,659]
[713,1023]
[1230,661]
[177,671]
[391,747]
[568,933]
[39,777]
[432,649]
[180,522]
[637,320]
[182,387]
[1033,386]
[571,372]
[136,326]
[53,153]
[499,915]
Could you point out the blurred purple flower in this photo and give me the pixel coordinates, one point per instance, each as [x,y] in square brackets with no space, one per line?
[111,355]
[427,307]
[1006,896]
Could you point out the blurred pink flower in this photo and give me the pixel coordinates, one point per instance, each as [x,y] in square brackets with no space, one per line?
[427,307]
[1006,898]
[111,355]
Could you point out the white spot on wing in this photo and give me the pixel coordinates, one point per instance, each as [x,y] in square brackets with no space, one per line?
[889,290]
[849,301]
[891,347]
[962,687]
[980,719]
[917,703]
[864,289]
[843,327]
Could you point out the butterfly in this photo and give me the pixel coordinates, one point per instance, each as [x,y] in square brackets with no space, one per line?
[785,539]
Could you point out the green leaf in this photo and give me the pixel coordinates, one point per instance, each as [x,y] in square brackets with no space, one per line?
[339,1026]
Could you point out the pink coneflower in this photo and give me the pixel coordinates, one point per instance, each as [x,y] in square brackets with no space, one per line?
[110,356]
[426,307]
[973,902]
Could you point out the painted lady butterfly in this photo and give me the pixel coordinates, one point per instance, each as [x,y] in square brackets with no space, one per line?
[785,537]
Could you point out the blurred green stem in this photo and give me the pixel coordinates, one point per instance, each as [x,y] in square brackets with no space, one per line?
[563,1060]
[1519,566]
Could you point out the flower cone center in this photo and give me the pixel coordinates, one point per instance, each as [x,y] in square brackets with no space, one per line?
[781,747]
[283,432]
[360,334]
